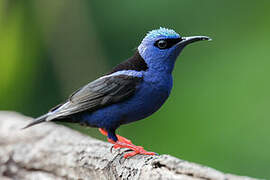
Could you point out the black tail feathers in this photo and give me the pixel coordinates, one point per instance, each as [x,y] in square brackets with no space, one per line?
[37,121]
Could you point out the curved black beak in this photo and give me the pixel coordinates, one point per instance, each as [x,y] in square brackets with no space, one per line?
[188,40]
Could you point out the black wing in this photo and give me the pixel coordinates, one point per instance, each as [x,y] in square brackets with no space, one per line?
[99,93]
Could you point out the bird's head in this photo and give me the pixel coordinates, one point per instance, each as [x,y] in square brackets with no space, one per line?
[161,47]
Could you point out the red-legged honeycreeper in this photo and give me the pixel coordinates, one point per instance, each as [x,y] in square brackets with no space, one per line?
[133,90]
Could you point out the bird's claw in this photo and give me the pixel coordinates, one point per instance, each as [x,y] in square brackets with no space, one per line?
[126,143]
[135,149]
[133,153]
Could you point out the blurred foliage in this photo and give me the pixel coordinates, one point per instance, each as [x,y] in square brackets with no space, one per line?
[218,112]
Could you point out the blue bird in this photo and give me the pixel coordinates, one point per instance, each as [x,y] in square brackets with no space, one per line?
[133,90]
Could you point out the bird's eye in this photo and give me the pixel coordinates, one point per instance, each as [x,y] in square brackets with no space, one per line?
[162,44]
[167,43]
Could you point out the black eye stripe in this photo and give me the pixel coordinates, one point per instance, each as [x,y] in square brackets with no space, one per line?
[170,42]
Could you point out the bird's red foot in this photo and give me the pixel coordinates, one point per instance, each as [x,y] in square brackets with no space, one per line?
[126,143]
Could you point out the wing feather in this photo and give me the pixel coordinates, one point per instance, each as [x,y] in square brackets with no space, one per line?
[97,94]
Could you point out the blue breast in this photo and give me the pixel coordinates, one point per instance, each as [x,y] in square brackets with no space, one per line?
[148,98]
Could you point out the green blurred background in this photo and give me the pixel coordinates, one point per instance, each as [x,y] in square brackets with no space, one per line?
[218,113]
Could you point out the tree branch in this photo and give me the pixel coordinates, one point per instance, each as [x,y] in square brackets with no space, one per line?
[50,151]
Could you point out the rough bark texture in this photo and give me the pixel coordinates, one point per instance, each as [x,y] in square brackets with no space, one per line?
[51,151]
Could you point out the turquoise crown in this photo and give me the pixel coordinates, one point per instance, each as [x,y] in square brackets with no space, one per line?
[162,32]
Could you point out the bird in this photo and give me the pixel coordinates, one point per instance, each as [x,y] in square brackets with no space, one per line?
[131,91]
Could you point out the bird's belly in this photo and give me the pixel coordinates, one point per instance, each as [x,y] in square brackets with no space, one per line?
[142,104]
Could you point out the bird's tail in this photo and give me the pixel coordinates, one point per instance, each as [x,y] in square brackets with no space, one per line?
[37,121]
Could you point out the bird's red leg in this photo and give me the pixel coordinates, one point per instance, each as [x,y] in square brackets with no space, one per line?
[126,143]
